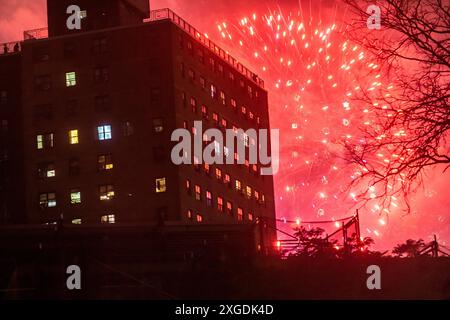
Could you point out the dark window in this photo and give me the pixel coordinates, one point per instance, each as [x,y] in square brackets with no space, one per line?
[201,55]
[70,50]
[232,78]
[203,83]
[4,125]
[220,69]
[102,103]
[158,125]
[191,74]
[3,97]
[43,111]
[43,83]
[71,108]
[100,45]
[182,70]
[74,167]
[128,129]
[41,54]
[101,74]
[159,154]
[155,97]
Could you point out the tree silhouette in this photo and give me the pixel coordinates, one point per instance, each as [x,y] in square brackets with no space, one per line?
[411,121]
[410,248]
[313,243]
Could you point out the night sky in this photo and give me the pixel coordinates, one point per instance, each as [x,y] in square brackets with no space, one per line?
[310,185]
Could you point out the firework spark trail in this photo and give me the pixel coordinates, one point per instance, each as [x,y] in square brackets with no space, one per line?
[312,72]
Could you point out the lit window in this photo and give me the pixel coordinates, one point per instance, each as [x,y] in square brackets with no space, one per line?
[220,204]
[249,192]
[215,117]
[51,171]
[158,125]
[238,185]
[224,123]
[204,111]
[218,174]
[223,99]
[105,162]
[250,216]
[199,218]
[73,136]
[240,214]
[217,148]
[246,139]
[76,221]
[256,195]
[208,198]
[233,103]
[45,141]
[71,79]
[226,151]
[161,185]
[109,218]
[46,170]
[244,110]
[47,200]
[194,105]
[198,193]
[213,91]
[75,196]
[188,186]
[104,132]
[189,214]
[229,208]
[207,168]
[227,178]
[106,192]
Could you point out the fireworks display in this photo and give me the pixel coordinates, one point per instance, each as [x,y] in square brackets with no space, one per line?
[312,73]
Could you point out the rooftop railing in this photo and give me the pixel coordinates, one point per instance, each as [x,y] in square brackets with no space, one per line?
[164,14]
[10,47]
[41,33]
[155,15]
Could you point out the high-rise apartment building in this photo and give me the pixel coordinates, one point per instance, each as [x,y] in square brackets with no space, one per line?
[96,109]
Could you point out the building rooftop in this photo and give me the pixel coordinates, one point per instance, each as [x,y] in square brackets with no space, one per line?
[157,15]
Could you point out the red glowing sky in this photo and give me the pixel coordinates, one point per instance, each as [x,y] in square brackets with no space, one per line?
[430,212]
